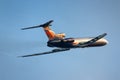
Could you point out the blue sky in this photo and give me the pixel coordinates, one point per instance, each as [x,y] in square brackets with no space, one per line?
[77,18]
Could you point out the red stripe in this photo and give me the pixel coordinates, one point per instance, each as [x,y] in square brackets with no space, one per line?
[49,34]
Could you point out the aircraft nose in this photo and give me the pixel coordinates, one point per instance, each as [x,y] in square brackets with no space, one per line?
[105,41]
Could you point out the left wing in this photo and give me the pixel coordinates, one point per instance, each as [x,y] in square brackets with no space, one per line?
[92,40]
[49,52]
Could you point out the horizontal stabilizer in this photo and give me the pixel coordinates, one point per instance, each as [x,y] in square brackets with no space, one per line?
[42,25]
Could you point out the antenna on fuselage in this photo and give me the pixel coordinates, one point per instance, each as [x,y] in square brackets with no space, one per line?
[42,25]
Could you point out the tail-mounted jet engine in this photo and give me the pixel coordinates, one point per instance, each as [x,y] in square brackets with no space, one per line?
[60,35]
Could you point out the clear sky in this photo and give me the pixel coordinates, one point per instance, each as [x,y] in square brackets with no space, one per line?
[77,18]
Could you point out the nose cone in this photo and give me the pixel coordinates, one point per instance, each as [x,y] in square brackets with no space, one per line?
[104,41]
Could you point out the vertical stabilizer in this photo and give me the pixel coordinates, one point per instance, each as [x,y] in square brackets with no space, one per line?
[50,34]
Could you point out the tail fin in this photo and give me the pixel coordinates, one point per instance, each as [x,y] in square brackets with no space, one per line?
[50,34]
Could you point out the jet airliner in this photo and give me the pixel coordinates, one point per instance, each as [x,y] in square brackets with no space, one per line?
[61,43]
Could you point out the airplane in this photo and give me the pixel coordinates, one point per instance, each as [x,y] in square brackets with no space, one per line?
[65,44]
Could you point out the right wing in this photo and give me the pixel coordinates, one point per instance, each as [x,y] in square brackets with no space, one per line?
[92,40]
[49,52]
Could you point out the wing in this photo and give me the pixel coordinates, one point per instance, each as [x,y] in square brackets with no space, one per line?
[49,52]
[92,40]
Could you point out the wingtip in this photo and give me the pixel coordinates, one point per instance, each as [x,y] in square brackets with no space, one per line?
[22,29]
[105,33]
[20,57]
